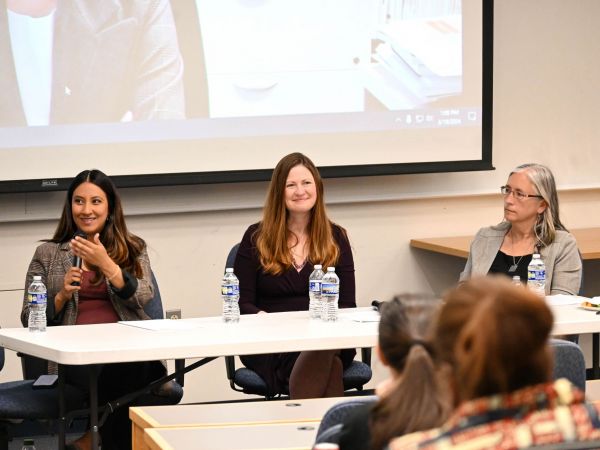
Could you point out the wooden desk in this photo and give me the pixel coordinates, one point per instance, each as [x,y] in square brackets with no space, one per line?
[226,414]
[295,436]
[588,241]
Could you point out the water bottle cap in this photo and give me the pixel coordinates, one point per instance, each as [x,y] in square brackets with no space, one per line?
[331,269]
[536,255]
[318,266]
[229,270]
[517,277]
[37,278]
[28,441]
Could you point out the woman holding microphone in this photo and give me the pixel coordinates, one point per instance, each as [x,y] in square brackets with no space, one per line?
[112,283]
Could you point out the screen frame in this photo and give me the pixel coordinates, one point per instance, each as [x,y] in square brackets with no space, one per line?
[239,176]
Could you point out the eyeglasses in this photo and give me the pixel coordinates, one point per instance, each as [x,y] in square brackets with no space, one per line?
[517,194]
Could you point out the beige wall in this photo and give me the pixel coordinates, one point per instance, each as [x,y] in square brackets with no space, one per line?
[546,106]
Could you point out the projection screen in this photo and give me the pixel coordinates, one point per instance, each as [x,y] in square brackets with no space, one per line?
[154,92]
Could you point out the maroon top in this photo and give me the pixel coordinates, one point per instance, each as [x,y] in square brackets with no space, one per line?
[260,291]
[94,303]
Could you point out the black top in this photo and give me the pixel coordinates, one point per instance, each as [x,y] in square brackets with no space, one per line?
[503,263]
[260,291]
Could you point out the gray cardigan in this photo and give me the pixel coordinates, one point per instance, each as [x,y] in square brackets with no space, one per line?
[562,259]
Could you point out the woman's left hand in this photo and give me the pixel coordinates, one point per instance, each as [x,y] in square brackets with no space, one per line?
[92,252]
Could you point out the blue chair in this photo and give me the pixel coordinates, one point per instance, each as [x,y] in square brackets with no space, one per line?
[19,401]
[569,362]
[333,420]
[249,382]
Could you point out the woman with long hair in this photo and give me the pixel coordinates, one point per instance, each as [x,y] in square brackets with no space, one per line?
[412,399]
[531,225]
[113,283]
[273,263]
[493,337]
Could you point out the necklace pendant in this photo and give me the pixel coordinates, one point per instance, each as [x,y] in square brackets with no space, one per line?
[513,268]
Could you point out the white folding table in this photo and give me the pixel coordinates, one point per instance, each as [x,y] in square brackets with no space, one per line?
[206,338]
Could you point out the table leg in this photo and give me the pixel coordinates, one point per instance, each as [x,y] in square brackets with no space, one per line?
[595,356]
[62,406]
[94,407]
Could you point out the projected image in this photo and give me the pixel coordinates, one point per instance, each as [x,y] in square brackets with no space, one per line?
[89,61]
[162,86]
[288,57]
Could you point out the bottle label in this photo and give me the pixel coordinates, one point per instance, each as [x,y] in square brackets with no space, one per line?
[37,298]
[536,275]
[230,290]
[330,289]
[314,285]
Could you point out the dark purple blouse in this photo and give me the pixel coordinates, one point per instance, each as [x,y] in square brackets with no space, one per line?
[289,291]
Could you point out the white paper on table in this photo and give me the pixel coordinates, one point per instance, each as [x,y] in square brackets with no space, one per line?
[161,324]
[563,299]
[363,316]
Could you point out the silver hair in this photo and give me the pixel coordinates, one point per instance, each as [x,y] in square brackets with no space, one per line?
[549,221]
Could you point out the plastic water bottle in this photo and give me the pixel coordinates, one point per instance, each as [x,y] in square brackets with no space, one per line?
[330,294]
[28,444]
[37,296]
[516,280]
[230,292]
[536,275]
[314,292]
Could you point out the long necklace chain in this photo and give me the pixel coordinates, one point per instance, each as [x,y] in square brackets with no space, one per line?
[515,264]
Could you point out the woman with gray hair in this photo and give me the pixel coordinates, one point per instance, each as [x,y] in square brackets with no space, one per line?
[531,225]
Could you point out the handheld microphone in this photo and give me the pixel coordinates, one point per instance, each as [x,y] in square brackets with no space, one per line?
[77,261]
[376,304]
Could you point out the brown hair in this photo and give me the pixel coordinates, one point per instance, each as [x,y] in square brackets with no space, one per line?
[272,234]
[123,247]
[495,337]
[417,402]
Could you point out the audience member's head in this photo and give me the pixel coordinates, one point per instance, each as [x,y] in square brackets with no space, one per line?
[494,336]
[415,401]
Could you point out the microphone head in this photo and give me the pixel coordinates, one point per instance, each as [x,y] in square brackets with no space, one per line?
[77,261]
[376,304]
[80,233]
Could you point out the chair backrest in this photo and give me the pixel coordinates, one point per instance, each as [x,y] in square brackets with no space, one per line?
[231,256]
[569,362]
[333,419]
[154,307]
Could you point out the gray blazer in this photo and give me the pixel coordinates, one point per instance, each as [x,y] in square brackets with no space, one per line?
[562,259]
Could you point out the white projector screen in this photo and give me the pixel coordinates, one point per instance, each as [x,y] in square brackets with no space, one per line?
[201,91]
